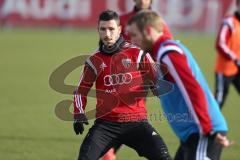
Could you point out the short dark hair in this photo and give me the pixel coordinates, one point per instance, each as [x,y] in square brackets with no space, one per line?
[109,15]
[237,2]
[145,18]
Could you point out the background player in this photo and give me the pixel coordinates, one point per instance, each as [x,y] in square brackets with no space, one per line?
[198,122]
[228,58]
[139,6]
[121,115]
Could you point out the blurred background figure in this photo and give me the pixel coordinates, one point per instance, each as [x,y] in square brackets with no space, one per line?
[139,5]
[228,56]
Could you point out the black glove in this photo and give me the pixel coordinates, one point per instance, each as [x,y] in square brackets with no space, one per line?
[79,120]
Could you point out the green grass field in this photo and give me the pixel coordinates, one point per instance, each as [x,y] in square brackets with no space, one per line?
[29,128]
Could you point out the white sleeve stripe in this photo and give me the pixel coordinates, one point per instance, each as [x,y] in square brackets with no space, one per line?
[78,99]
[166,49]
[181,86]
[81,77]
[153,64]
[223,43]
[92,66]
[79,103]
[139,57]
[202,146]
[150,58]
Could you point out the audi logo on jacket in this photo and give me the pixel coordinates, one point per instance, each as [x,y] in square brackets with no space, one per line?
[120,84]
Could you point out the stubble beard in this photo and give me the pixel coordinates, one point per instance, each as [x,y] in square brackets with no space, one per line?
[147,45]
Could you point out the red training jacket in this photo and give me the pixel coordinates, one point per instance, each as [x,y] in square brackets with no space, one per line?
[119,82]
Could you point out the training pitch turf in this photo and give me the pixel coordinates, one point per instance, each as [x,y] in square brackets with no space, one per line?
[29,128]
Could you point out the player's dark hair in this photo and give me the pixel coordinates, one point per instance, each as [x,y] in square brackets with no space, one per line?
[147,18]
[237,2]
[109,15]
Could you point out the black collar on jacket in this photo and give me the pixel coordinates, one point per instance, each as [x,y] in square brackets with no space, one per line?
[113,49]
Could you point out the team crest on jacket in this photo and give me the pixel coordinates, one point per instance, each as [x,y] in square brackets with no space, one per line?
[103,65]
[126,62]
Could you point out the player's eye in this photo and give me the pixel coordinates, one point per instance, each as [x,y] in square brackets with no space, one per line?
[102,29]
[111,29]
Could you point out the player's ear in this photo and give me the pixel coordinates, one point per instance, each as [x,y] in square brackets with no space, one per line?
[120,28]
[146,31]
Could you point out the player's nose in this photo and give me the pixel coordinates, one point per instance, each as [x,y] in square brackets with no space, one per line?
[108,33]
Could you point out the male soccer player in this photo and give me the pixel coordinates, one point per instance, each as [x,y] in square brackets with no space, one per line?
[197,119]
[227,67]
[139,6]
[121,116]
